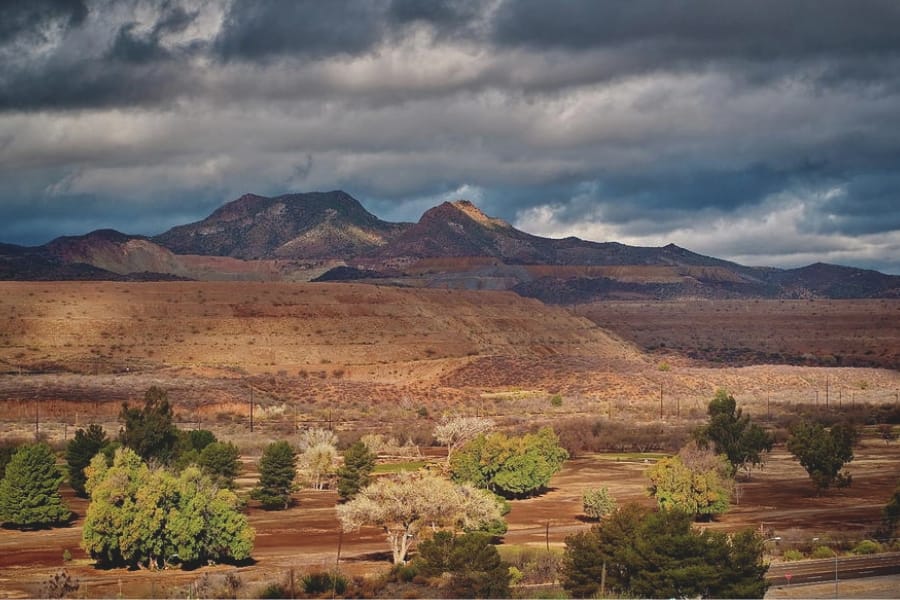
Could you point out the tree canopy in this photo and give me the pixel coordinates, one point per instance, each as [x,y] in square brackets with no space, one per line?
[148,517]
[733,434]
[824,452]
[220,461]
[79,452]
[277,471]
[509,466]
[695,481]
[404,504]
[150,431]
[472,563]
[29,490]
[660,555]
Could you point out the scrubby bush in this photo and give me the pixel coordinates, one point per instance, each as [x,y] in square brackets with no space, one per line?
[867,547]
[320,582]
[792,555]
[822,552]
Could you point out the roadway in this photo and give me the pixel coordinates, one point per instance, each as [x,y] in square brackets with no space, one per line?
[829,569]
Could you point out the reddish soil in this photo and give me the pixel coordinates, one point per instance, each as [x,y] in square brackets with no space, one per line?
[778,499]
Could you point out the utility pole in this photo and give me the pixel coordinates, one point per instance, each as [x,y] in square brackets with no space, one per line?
[251,409]
[660,402]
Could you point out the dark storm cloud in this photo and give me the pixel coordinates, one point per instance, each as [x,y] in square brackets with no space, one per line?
[134,70]
[735,127]
[133,47]
[305,28]
[32,18]
[758,30]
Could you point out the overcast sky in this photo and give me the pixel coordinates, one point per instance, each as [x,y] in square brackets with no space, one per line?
[765,131]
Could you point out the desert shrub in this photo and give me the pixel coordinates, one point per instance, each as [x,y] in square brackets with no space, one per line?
[60,585]
[556,400]
[597,503]
[791,555]
[274,591]
[578,436]
[821,552]
[867,547]
[320,582]
[535,565]
[406,572]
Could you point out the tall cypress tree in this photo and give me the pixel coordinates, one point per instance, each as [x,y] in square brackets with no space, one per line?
[29,492]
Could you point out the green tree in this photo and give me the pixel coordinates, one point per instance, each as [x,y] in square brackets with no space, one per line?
[733,434]
[509,466]
[150,431]
[597,503]
[892,511]
[143,517]
[405,504]
[79,452]
[277,471]
[220,461]
[29,491]
[7,449]
[694,481]
[472,563]
[824,452]
[660,555]
[189,446]
[355,473]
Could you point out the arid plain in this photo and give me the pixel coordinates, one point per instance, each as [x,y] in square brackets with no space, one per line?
[363,358]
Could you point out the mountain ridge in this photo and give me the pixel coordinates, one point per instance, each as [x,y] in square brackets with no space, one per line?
[330,236]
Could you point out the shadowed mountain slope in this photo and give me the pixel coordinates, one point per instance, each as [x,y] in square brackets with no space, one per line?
[307,226]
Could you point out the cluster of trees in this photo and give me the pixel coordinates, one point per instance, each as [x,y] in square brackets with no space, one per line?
[144,516]
[637,552]
[699,479]
[510,466]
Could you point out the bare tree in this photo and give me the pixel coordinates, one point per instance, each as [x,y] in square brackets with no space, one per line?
[403,505]
[318,462]
[454,431]
[314,437]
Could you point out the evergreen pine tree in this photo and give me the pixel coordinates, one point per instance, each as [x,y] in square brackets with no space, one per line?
[354,475]
[29,492]
[277,470]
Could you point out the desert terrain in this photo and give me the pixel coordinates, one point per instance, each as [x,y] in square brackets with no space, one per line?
[361,358]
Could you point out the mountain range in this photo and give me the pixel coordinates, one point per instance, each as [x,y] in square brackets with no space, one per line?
[329,236]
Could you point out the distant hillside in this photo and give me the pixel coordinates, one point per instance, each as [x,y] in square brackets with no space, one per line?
[330,237]
[306,226]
